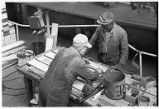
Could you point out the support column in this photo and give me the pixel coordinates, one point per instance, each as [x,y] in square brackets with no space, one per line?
[47,22]
[140,57]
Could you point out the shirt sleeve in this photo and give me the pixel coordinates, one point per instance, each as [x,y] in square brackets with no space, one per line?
[94,38]
[124,48]
[82,71]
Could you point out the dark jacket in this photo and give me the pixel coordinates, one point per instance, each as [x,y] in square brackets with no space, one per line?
[56,86]
[112,50]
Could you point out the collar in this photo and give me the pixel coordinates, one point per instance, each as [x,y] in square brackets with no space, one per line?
[113,28]
[75,50]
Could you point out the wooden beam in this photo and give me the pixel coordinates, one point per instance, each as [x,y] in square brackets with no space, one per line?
[54,34]
[11,46]
[51,40]
[13,50]
[47,22]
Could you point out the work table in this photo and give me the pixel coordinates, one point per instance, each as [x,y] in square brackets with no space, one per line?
[34,71]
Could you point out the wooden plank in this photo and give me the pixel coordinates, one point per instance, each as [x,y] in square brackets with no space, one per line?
[45,60]
[36,71]
[11,46]
[51,40]
[47,22]
[13,50]
[49,43]
[54,34]
[9,70]
[9,63]
[78,85]
[38,65]
[33,76]
[10,57]
[50,55]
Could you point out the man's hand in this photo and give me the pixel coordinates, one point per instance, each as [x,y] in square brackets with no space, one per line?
[99,70]
[86,61]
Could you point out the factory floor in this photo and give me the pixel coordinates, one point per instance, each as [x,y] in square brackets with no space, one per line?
[15,80]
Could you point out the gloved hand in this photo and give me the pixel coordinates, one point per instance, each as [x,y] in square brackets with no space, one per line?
[86,61]
[99,70]
[87,89]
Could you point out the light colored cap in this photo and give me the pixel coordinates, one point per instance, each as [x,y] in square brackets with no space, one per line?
[81,40]
[105,18]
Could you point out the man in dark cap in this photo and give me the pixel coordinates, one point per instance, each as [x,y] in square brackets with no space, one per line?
[56,86]
[112,41]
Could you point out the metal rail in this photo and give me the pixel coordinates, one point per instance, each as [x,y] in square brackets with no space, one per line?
[73,26]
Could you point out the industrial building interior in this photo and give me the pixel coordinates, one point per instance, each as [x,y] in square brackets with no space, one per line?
[21,100]
[14,92]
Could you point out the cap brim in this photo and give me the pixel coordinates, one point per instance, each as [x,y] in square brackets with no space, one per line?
[89,45]
[104,23]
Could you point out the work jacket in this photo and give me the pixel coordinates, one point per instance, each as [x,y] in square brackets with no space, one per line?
[56,86]
[112,49]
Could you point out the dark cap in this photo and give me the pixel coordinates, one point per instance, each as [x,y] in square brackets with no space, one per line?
[105,18]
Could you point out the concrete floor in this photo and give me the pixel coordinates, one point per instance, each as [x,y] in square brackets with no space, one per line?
[149,68]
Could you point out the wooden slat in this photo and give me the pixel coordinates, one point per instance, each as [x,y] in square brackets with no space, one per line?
[10,57]
[9,70]
[38,65]
[45,60]
[54,34]
[50,55]
[37,71]
[13,50]
[11,46]
[9,63]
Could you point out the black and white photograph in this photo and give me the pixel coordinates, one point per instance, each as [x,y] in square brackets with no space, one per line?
[79,53]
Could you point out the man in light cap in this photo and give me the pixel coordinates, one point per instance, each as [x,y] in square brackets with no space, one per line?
[67,65]
[112,41]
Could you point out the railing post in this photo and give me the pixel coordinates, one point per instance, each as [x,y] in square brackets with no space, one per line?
[140,57]
[17,32]
[47,22]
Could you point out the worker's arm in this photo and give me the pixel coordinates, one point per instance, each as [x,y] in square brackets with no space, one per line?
[124,48]
[123,52]
[82,70]
[94,38]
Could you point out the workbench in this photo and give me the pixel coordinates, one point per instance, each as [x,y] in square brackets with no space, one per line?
[33,77]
